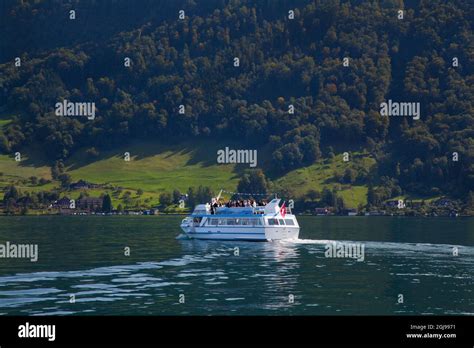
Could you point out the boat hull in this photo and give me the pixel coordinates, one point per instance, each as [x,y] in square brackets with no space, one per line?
[240,233]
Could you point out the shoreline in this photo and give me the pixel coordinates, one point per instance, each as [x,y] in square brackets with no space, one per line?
[182,214]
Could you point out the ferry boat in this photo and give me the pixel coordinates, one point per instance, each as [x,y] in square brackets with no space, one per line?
[260,223]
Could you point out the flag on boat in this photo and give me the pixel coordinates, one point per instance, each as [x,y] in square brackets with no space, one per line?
[283,210]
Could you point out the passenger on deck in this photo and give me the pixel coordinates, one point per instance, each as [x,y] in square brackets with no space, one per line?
[239,203]
[214,208]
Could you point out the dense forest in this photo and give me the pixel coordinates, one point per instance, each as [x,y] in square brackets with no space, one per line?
[290,56]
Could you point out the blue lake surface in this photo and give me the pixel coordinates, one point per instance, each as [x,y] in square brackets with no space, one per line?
[84,256]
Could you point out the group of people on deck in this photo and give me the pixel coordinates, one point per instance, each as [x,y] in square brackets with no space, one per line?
[244,203]
[236,203]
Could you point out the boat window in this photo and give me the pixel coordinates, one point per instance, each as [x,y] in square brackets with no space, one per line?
[213,221]
[289,222]
[246,222]
[231,222]
[272,222]
[221,222]
[282,222]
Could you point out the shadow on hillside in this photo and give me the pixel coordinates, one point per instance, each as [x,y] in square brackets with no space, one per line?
[32,162]
[199,153]
[32,158]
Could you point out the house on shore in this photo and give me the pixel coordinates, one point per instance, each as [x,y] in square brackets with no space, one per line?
[375,213]
[351,212]
[322,211]
[150,212]
[443,202]
[89,204]
[391,204]
[63,205]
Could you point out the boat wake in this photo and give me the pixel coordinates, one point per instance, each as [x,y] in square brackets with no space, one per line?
[396,247]
[206,266]
[304,241]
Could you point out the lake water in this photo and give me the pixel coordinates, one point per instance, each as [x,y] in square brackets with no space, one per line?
[84,256]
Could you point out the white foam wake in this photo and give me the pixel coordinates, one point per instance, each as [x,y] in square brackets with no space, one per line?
[444,249]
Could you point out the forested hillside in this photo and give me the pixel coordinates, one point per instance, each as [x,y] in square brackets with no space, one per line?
[427,57]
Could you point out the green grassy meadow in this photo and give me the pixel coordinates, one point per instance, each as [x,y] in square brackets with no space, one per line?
[156,168]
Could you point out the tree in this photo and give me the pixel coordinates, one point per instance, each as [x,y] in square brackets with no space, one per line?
[330,152]
[65,180]
[287,157]
[350,175]
[107,203]
[165,199]
[253,181]
[371,199]
[57,169]
[4,143]
[34,180]
[11,192]
[191,196]
[470,200]
[313,195]
[340,204]
[176,196]
[328,197]
[310,150]
[204,194]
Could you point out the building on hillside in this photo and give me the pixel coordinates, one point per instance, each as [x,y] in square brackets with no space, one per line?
[415,204]
[63,203]
[391,204]
[443,202]
[89,203]
[82,184]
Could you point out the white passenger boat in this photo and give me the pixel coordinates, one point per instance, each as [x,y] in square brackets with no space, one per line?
[261,223]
